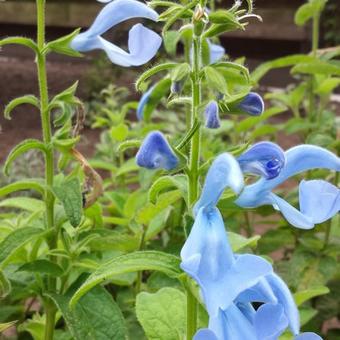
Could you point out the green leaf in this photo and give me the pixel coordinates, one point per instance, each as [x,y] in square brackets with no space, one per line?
[317,67]
[264,68]
[238,242]
[132,143]
[66,96]
[25,203]
[16,240]
[307,314]
[147,213]
[95,317]
[4,326]
[152,71]
[162,314]
[62,45]
[137,261]
[70,195]
[5,286]
[18,150]
[178,181]
[216,29]
[308,11]
[170,41]
[327,86]
[20,41]
[215,80]
[160,90]
[305,295]
[232,65]
[180,72]
[23,185]
[119,132]
[28,99]
[42,267]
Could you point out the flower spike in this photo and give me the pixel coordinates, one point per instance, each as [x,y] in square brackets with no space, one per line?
[143,43]
[212,119]
[252,104]
[265,159]
[156,153]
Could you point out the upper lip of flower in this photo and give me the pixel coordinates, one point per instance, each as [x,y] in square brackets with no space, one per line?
[112,14]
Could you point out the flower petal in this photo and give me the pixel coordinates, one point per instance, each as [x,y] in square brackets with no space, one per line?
[261,292]
[142,102]
[252,104]
[156,153]
[291,214]
[212,119]
[232,324]
[205,334]
[111,15]
[286,299]
[270,321]
[224,172]
[208,258]
[216,52]
[265,159]
[319,200]
[308,336]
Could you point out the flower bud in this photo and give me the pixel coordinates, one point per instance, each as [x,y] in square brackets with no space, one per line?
[212,119]
[252,104]
[156,153]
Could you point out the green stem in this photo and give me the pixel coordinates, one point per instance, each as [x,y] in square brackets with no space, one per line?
[315,46]
[193,174]
[49,158]
[196,139]
[191,315]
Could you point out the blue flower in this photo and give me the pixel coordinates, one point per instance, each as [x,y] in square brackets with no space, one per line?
[216,52]
[224,172]
[212,119]
[319,200]
[208,258]
[252,104]
[142,102]
[143,43]
[156,153]
[265,159]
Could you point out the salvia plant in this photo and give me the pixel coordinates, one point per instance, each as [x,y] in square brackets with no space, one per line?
[148,253]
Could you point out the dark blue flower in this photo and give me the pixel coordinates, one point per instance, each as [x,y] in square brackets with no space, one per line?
[212,119]
[252,104]
[156,153]
[265,159]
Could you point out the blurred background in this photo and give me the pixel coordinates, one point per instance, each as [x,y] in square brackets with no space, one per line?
[277,36]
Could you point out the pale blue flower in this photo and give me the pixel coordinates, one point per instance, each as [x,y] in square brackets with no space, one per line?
[142,103]
[224,172]
[265,159]
[143,43]
[252,104]
[156,153]
[212,119]
[312,209]
[208,258]
[216,52]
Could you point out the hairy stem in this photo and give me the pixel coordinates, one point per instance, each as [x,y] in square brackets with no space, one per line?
[49,158]
[194,167]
